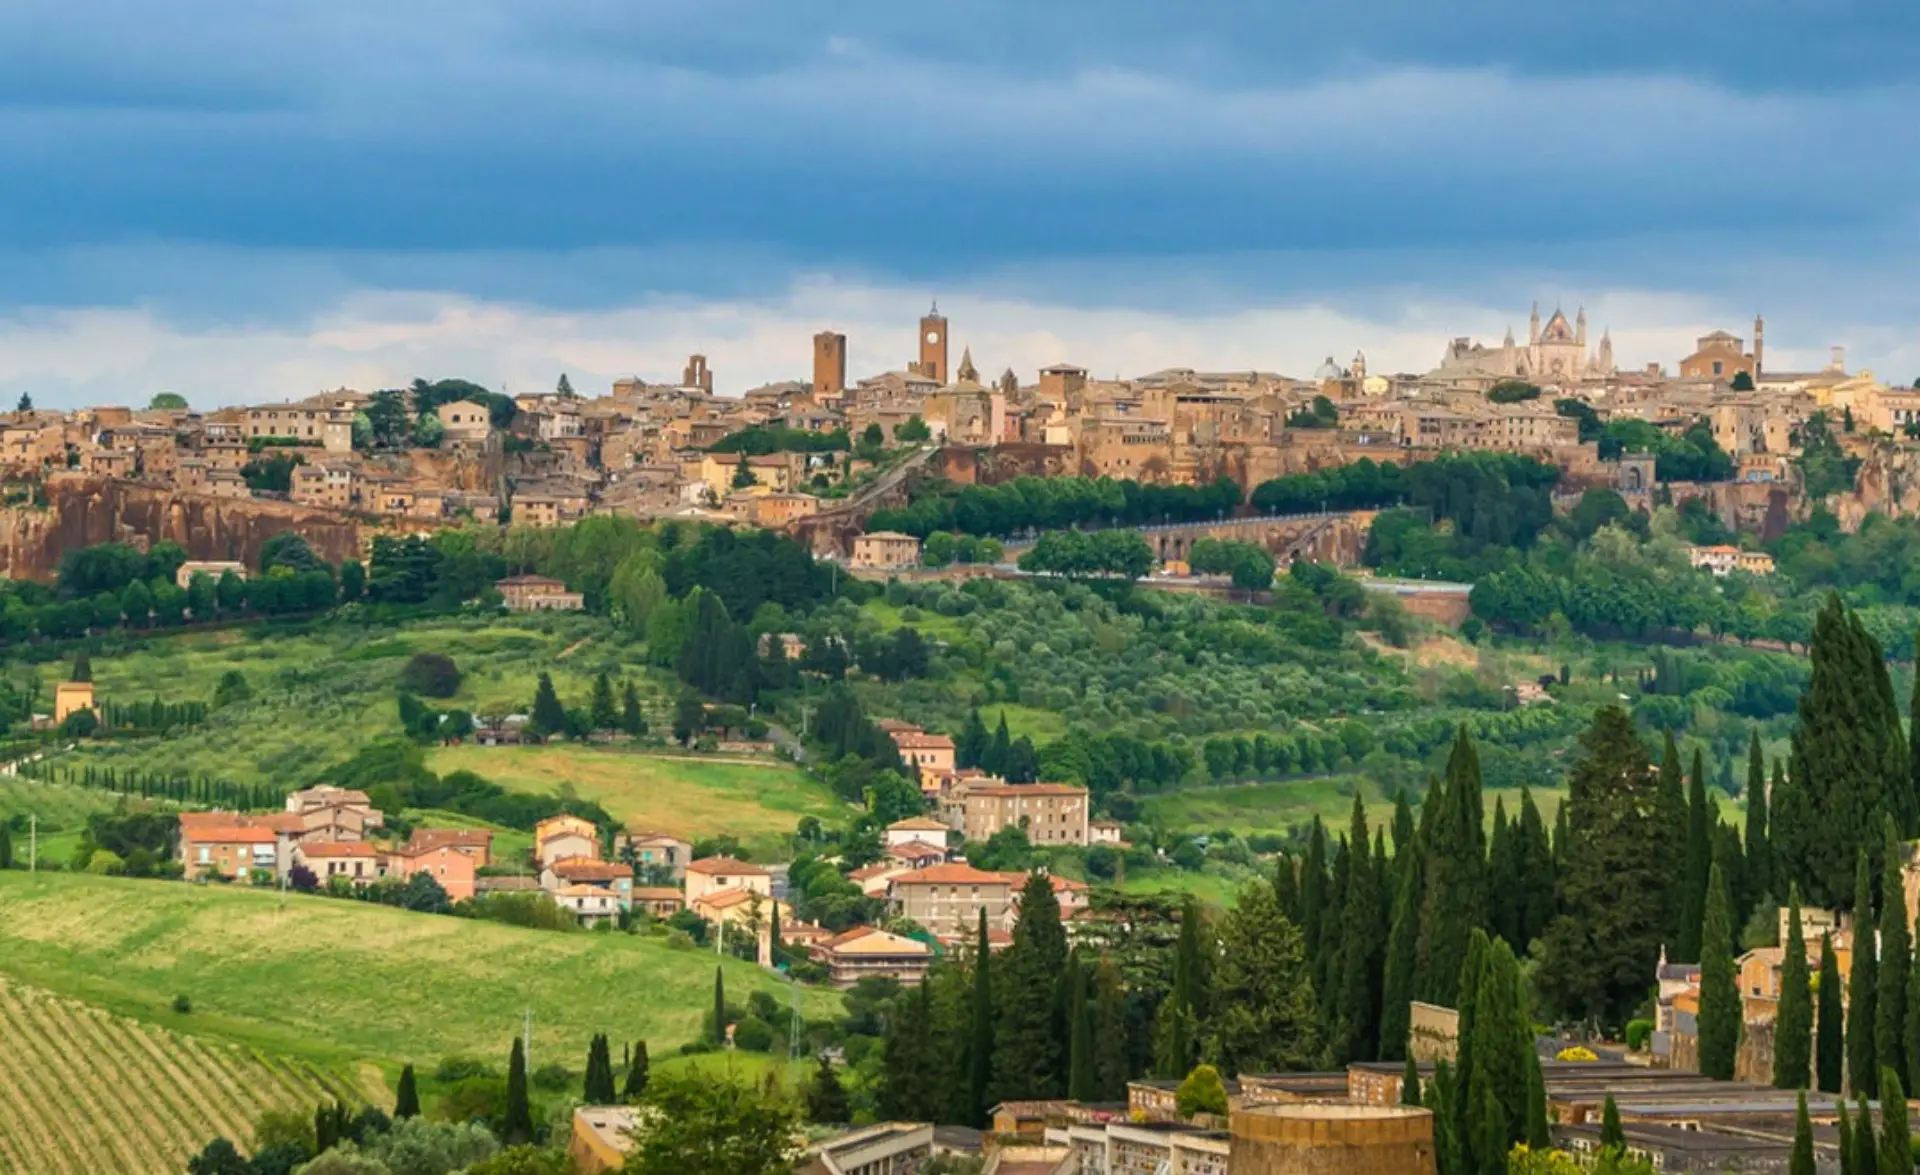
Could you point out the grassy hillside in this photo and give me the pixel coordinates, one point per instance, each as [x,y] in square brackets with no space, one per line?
[84,1092]
[339,981]
[759,802]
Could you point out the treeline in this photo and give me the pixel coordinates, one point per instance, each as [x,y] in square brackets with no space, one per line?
[762,439]
[1098,554]
[202,790]
[112,585]
[1056,503]
[395,777]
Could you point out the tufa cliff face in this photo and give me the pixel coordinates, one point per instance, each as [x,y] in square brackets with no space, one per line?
[84,511]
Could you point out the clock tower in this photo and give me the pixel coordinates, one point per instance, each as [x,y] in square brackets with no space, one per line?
[933,345]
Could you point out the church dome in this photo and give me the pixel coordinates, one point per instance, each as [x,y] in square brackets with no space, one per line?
[1329,370]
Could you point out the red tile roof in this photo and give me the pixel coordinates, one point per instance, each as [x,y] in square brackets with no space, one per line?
[588,869]
[341,848]
[959,873]
[217,834]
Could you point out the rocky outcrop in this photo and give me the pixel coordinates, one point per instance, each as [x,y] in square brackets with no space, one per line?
[84,511]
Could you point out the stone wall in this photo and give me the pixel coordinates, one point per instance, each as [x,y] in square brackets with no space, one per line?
[1310,1139]
[84,511]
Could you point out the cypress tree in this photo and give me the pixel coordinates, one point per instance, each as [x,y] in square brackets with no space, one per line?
[1490,1141]
[632,721]
[1611,1133]
[517,1130]
[1403,829]
[1561,836]
[1503,881]
[1911,1049]
[1831,1061]
[1029,1056]
[1179,1047]
[1082,1084]
[1455,902]
[1502,1055]
[1449,1157]
[826,1098]
[1896,1143]
[1537,874]
[1698,860]
[1863,986]
[1286,885]
[598,1088]
[1325,960]
[719,1006]
[549,716]
[406,1104]
[1473,977]
[1890,1002]
[1360,979]
[980,1042]
[1720,1009]
[1397,981]
[1840,776]
[1111,1066]
[1866,1156]
[1410,1084]
[973,742]
[1843,1127]
[1670,845]
[1313,902]
[1792,1044]
[636,1083]
[1759,852]
[1539,1136]
[906,1061]
[1800,1159]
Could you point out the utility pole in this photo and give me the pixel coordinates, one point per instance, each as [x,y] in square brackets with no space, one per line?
[33,843]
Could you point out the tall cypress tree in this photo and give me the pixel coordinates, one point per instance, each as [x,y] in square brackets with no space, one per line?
[1720,1009]
[1800,1158]
[637,1073]
[406,1104]
[1863,1070]
[1792,1025]
[719,1006]
[1438,1097]
[1759,852]
[1360,979]
[1403,937]
[1082,1084]
[1539,1135]
[517,1130]
[1843,1127]
[1896,1142]
[1179,1037]
[1109,1018]
[1503,881]
[1866,1152]
[1502,1056]
[1403,828]
[1537,875]
[1313,900]
[1698,861]
[1840,783]
[1029,1056]
[1890,1002]
[980,1039]
[907,1062]
[1670,846]
[1830,1063]
[1286,885]
[1455,903]
[1473,976]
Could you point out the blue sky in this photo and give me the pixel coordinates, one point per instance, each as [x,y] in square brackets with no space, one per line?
[243,201]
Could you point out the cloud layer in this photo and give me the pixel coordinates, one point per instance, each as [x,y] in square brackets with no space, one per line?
[203,192]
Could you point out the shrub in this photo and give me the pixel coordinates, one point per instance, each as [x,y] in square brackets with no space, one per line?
[1638,1032]
[1201,1093]
[754,1035]
[1576,1053]
[453,1070]
[432,675]
[552,1077]
[182,1004]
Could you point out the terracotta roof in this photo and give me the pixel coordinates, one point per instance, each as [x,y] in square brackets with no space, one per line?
[229,834]
[1028,789]
[917,824]
[637,836]
[914,740]
[879,942]
[959,873]
[866,871]
[726,866]
[582,891]
[915,849]
[588,869]
[726,899]
[656,893]
[338,848]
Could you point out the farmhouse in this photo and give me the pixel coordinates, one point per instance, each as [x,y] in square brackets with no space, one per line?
[710,875]
[558,838]
[854,954]
[353,860]
[454,869]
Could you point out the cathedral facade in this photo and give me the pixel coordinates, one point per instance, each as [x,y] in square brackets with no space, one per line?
[1554,354]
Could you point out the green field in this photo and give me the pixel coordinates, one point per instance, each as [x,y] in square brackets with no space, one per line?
[1245,808]
[338,982]
[759,802]
[84,1092]
[319,695]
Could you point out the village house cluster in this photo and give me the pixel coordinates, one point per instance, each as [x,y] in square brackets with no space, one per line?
[643,449]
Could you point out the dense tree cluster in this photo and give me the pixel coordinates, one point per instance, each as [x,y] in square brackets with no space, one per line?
[1099,554]
[1028,504]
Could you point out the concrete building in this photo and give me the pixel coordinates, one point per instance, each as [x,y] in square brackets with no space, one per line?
[887,1148]
[886,550]
[1051,813]
[538,593]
